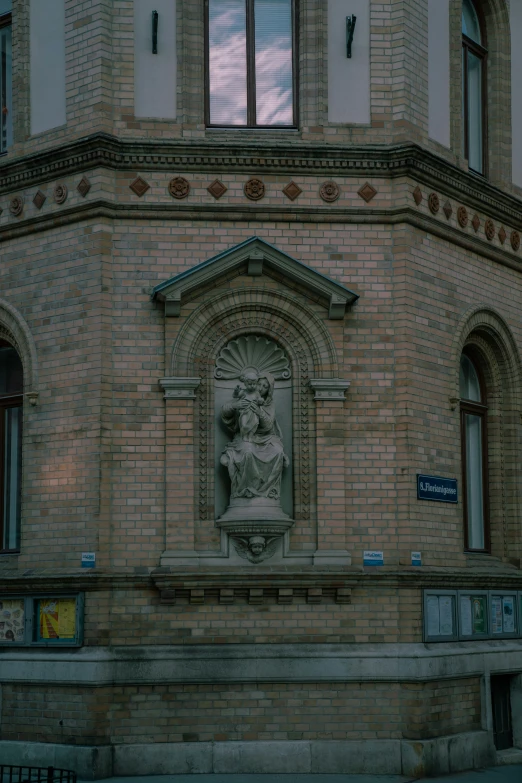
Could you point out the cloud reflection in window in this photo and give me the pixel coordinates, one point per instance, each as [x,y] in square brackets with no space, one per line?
[273,62]
[274,99]
[227,62]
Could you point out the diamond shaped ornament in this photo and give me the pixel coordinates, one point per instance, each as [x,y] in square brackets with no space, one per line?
[448,210]
[83,186]
[367,192]
[217,189]
[39,199]
[292,191]
[417,195]
[502,235]
[476,223]
[139,186]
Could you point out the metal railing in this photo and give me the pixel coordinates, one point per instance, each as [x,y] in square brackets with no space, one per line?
[11,774]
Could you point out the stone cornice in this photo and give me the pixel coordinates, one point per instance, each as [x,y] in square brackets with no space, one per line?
[235,663]
[243,579]
[407,160]
[101,208]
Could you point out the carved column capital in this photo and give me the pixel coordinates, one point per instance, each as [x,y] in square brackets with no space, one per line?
[329,388]
[179,388]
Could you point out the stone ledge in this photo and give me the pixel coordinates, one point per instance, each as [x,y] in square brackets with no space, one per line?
[268,663]
[392,757]
[509,756]
[194,574]
[111,210]
[444,755]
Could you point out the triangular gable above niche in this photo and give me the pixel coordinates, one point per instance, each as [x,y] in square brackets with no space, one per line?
[254,257]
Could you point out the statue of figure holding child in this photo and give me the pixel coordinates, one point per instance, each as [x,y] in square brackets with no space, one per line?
[255,457]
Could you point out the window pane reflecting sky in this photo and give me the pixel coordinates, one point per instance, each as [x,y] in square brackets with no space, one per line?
[272,41]
[227,62]
[274,99]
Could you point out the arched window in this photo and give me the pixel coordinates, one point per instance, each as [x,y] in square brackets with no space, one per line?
[473,413]
[474,56]
[11,389]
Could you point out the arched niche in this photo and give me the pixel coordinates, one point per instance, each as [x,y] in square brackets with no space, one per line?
[252,295]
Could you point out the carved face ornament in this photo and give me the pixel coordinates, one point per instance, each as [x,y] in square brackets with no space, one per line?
[256,544]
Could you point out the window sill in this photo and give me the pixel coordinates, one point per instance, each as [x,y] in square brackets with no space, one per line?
[215,129]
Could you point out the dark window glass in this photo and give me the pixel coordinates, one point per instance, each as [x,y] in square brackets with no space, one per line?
[11,387]
[473,88]
[474,456]
[6,78]
[250,56]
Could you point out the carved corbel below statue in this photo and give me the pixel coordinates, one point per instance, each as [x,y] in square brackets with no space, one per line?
[255,548]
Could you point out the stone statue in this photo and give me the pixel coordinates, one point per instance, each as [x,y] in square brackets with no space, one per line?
[255,457]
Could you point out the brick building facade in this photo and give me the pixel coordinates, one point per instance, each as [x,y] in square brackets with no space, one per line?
[139,241]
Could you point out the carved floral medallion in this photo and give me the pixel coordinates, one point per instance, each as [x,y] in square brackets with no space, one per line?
[16,206]
[330,192]
[179,187]
[433,203]
[462,217]
[60,193]
[254,189]
[489,229]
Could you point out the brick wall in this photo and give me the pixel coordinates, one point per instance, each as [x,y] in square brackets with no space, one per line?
[277,711]
[435,709]
[94,445]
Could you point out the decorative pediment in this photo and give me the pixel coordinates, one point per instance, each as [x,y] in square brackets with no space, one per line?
[255,257]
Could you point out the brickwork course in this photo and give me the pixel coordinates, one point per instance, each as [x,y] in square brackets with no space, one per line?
[184,643]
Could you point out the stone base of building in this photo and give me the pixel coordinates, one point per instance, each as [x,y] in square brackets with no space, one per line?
[438,756]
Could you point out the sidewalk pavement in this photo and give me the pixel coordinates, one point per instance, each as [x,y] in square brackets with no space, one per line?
[507,774]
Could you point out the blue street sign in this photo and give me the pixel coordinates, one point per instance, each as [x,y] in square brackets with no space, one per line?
[436,488]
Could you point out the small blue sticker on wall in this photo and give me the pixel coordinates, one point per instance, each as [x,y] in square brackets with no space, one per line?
[416,559]
[373,558]
[88,559]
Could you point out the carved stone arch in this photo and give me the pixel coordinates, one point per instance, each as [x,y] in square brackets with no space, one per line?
[282,318]
[485,332]
[482,326]
[14,329]
[281,306]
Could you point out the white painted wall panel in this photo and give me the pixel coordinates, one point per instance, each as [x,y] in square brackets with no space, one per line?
[348,79]
[516,88]
[155,74]
[439,71]
[47,48]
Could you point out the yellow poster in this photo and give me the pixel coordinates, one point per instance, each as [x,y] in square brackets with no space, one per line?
[58,618]
[12,616]
[67,619]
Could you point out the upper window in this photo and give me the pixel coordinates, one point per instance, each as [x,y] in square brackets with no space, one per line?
[473,412]
[11,390]
[473,88]
[250,56]
[6,93]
